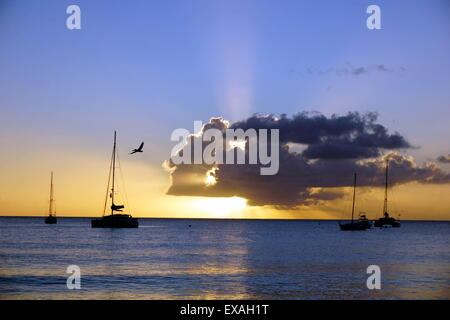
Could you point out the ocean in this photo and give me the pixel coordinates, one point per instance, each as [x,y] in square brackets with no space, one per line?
[222,259]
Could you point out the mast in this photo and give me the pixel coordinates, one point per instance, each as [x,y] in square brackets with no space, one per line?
[50,207]
[354,193]
[385,206]
[113,172]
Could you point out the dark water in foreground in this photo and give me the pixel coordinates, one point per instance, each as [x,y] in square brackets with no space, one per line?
[222,259]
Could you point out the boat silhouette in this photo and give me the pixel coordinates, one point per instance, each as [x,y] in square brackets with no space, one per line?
[386,220]
[114,220]
[363,223]
[51,218]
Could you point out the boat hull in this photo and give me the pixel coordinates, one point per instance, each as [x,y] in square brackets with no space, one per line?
[50,220]
[383,222]
[354,226]
[115,221]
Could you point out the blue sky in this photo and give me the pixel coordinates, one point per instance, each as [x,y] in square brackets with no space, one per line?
[146,68]
[162,64]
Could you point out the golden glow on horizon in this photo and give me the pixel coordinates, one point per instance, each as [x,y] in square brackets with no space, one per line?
[80,183]
[221,207]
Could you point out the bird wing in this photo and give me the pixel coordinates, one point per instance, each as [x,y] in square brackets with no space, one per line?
[141,146]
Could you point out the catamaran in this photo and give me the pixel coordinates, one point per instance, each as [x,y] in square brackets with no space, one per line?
[51,218]
[386,221]
[114,220]
[362,224]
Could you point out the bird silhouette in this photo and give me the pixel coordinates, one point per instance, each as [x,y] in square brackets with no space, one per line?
[138,149]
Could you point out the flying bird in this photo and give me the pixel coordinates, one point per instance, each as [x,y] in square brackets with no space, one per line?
[138,149]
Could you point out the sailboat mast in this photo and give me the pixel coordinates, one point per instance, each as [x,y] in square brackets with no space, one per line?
[385,206]
[50,207]
[113,173]
[354,193]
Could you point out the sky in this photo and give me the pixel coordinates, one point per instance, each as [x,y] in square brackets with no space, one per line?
[146,68]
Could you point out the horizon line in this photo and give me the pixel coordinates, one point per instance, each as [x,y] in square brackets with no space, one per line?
[222,218]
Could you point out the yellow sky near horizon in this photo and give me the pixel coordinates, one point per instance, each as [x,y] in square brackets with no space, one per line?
[63,92]
[80,186]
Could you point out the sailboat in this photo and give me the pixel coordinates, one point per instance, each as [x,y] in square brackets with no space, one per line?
[114,220]
[51,218]
[362,223]
[386,221]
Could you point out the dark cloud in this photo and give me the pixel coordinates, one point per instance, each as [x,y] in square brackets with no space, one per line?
[336,137]
[334,148]
[444,159]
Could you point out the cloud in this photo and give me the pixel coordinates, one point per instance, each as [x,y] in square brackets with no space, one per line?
[337,137]
[350,70]
[334,148]
[444,159]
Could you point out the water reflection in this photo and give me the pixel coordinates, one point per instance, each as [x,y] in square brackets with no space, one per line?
[222,259]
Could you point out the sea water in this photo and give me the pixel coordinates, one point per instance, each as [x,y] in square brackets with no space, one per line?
[222,259]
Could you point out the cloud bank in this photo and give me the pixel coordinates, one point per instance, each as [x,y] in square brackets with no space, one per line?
[317,153]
